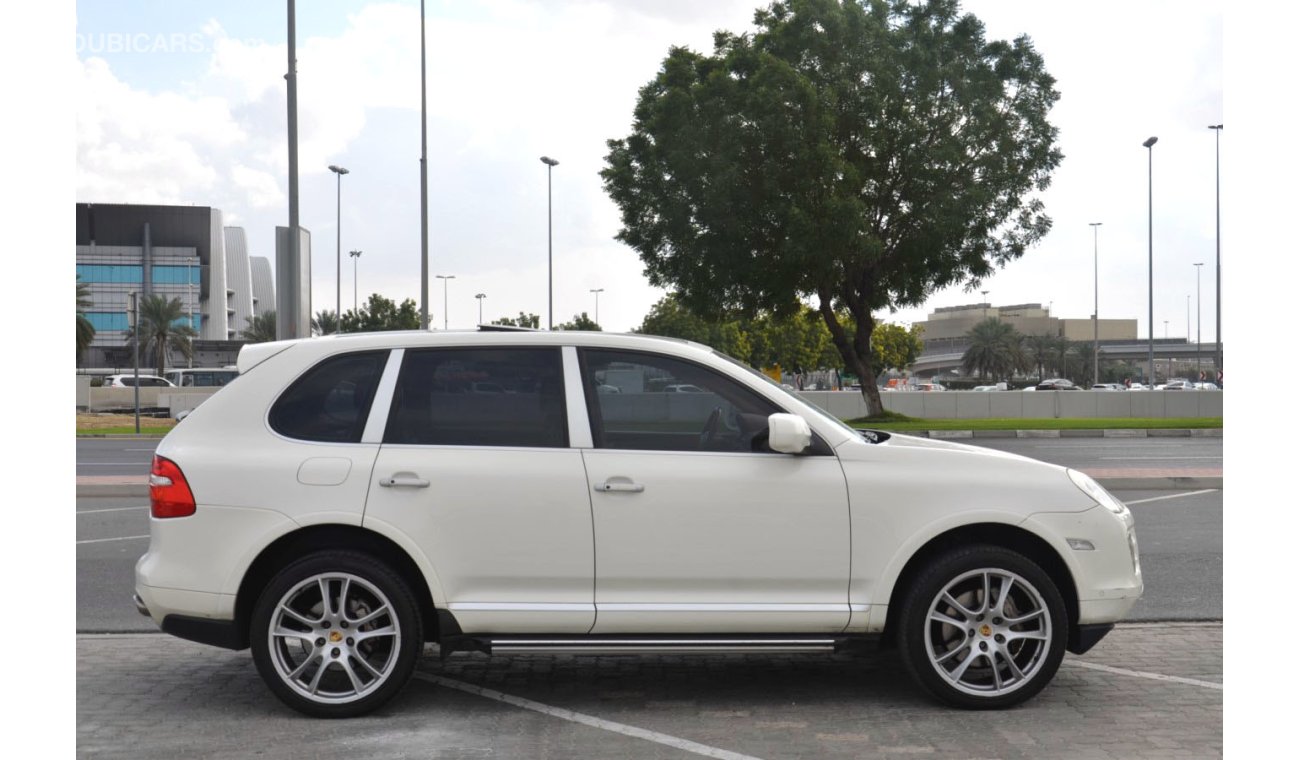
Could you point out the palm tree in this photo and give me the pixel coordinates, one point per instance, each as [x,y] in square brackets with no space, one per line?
[994,350]
[161,326]
[325,323]
[261,327]
[1040,349]
[85,330]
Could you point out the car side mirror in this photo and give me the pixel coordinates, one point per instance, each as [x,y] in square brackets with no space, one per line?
[788,433]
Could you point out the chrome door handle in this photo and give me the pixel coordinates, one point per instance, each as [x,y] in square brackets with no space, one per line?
[404,481]
[610,485]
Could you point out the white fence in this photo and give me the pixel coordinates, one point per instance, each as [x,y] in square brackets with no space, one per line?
[1025,404]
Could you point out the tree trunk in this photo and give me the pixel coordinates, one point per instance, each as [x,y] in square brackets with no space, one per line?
[856,353]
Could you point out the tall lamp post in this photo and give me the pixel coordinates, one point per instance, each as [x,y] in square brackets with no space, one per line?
[480,297]
[338,246]
[1151,291]
[598,291]
[355,256]
[1218,280]
[444,278]
[1096,341]
[1169,360]
[550,304]
[1198,266]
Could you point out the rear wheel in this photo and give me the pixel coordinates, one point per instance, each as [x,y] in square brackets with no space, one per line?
[336,634]
[983,627]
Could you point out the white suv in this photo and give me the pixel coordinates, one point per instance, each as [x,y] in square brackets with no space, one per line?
[353,497]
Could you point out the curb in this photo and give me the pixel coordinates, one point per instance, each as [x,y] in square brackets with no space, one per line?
[1149,484]
[113,489]
[1092,433]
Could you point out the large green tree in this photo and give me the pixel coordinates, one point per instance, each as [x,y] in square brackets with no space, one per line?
[379,314]
[85,330]
[862,153]
[671,319]
[162,327]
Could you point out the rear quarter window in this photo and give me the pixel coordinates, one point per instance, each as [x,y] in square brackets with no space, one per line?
[331,401]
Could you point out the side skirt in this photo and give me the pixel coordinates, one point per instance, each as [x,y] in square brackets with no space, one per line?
[657,644]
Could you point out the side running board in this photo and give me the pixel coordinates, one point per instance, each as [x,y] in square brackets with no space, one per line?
[606,645]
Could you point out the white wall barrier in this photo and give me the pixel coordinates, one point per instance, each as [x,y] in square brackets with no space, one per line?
[968,405]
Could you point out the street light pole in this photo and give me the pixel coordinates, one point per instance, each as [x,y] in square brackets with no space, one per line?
[597,291]
[355,256]
[424,185]
[1096,341]
[480,297]
[444,278]
[550,303]
[338,246]
[1151,291]
[1198,266]
[1218,280]
[1169,361]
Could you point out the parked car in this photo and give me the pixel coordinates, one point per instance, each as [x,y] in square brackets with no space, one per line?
[1206,386]
[683,388]
[344,503]
[1107,387]
[1177,384]
[985,388]
[129,381]
[930,387]
[195,377]
[1058,384]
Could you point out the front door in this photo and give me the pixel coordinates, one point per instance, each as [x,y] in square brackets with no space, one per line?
[699,527]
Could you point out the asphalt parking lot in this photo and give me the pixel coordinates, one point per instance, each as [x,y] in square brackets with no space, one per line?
[1147,691]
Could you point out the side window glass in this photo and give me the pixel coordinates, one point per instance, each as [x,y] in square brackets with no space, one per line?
[480,397]
[658,403]
[331,401]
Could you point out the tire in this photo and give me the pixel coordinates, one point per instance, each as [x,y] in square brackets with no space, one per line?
[966,650]
[344,661]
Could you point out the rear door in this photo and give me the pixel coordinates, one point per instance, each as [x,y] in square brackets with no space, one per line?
[476,469]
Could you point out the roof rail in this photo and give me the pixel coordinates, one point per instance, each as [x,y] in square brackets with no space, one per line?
[506,328]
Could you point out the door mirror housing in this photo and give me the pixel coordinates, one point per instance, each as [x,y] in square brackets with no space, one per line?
[788,433]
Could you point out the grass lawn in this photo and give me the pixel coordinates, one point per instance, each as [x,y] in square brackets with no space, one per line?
[901,423]
[121,424]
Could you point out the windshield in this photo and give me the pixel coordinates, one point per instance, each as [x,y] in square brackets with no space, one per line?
[792,395]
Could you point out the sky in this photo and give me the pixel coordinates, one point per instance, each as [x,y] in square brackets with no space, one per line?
[185,103]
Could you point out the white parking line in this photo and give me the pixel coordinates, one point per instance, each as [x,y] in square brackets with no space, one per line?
[114,509]
[1171,496]
[1125,459]
[102,540]
[587,720]
[1144,674]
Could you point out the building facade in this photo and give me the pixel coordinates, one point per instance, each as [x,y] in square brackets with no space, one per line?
[177,252]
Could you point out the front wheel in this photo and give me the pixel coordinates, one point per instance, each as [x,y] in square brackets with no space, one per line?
[336,634]
[983,628]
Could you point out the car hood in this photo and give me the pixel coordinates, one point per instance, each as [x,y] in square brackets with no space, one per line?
[944,471]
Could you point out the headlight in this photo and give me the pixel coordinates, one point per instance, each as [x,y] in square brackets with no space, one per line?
[1097,493]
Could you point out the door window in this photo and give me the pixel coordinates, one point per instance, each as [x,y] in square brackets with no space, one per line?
[658,403]
[480,397]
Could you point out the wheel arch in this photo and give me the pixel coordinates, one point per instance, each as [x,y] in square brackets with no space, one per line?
[1012,537]
[291,546]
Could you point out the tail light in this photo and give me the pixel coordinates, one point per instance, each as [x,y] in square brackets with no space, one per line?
[169,493]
